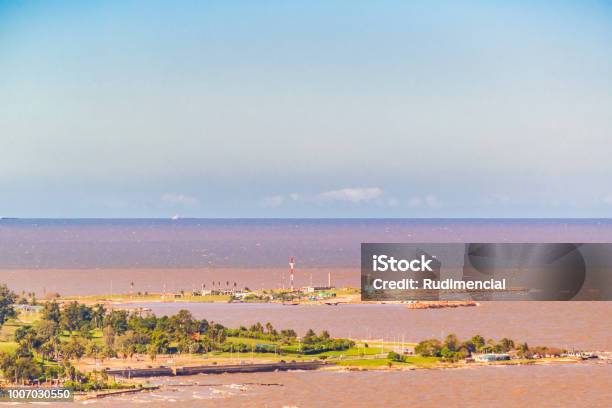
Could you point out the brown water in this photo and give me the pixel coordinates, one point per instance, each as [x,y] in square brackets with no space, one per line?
[583,325]
[97,256]
[104,281]
[568,385]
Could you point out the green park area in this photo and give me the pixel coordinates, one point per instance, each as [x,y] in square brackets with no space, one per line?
[145,297]
[49,341]
[226,295]
[69,343]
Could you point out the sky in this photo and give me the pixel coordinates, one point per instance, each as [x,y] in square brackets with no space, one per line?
[305,109]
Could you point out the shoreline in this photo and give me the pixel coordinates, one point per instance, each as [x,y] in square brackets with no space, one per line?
[112,393]
[352,299]
[457,365]
[329,367]
[315,365]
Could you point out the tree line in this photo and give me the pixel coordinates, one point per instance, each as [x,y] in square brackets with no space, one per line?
[452,349]
[72,331]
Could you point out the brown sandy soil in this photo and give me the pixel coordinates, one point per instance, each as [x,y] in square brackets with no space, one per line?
[89,364]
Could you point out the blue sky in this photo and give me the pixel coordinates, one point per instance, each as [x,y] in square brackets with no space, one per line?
[306,109]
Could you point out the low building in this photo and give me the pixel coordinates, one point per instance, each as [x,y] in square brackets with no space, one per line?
[28,308]
[241,295]
[313,289]
[490,357]
[215,292]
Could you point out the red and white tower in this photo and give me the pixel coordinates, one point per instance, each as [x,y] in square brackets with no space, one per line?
[291,268]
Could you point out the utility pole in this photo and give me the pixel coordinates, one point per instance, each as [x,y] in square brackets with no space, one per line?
[291,266]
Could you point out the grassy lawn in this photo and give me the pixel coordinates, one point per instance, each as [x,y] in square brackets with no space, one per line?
[346,291]
[245,340]
[355,352]
[27,317]
[419,360]
[293,350]
[8,346]
[238,356]
[355,356]
[7,332]
[379,362]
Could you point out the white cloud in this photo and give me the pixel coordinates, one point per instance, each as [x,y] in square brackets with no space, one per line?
[272,201]
[432,201]
[415,202]
[176,199]
[392,202]
[496,199]
[352,194]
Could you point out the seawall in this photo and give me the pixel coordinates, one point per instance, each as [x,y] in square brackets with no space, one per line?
[214,369]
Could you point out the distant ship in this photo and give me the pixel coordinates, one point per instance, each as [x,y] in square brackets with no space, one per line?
[175,217]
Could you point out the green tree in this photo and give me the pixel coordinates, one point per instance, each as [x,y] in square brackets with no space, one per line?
[469,346]
[70,317]
[393,356]
[160,342]
[127,343]
[108,334]
[152,352]
[74,349]
[478,341]
[20,370]
[51,311]
[26,370]
[310,337]
[183,325]
[451,342]
[7,299]
[429,348]
[257,328]
[523,350]
[117,319]
[45,329]
[47,350]
[505,345]
[97,315]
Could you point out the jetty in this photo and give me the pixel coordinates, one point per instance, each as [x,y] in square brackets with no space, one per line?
[215,369]
[113,393]
[439,304]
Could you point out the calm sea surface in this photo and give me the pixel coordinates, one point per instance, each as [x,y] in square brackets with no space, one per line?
[97,256]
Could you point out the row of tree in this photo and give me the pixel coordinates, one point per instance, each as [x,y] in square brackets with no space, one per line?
[452,349]
[72,331]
